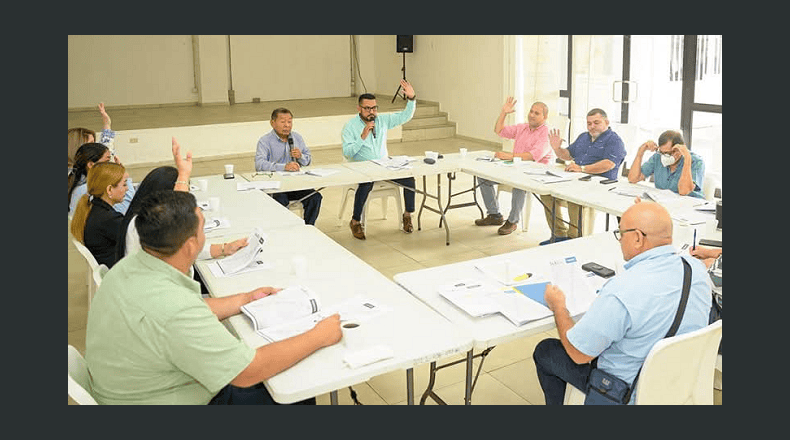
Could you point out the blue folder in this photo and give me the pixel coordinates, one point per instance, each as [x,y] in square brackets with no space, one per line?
[534,291]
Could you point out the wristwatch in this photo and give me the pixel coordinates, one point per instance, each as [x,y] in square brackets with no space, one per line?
[412,98]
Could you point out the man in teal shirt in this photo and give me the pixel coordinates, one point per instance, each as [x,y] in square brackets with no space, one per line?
[151,337]
[674,166]
[365,138]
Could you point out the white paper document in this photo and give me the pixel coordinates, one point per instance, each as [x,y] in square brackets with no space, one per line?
[506,272]
[244,256]
[211,224]
[256,264]
[478,299]
[262,184]
[290,304]
[567,274]
[320,172]
[394,163]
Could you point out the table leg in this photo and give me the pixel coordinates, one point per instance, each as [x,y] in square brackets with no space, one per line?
[579,221]
[410,386]
[553,216]
[333,397]
[468,394]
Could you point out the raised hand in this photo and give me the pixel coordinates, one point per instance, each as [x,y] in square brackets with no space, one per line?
[407,88]
[555,139]
[509,106]
[105,118]
[184,166]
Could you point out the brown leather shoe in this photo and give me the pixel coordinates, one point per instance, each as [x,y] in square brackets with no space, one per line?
[507,228]
[490,220]
[407,227]
[357,230]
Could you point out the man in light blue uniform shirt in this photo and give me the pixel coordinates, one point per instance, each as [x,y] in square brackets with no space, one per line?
[365,138]
[633,311]
[675,167]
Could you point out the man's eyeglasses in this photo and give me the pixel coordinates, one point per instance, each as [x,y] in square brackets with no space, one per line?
[618,234]
[370,109]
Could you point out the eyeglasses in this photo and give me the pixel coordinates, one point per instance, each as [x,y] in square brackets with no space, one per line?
[618,234]
[370,109]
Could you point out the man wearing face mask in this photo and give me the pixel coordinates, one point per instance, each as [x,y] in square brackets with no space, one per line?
[674,166]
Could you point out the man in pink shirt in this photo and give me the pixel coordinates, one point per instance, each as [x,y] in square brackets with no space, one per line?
[531,143]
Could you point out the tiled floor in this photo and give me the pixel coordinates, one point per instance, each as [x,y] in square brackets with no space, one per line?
[508,373]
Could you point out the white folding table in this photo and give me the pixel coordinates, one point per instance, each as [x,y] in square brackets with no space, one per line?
[415,333]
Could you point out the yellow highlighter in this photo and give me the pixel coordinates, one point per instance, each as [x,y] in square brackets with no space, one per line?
[523,277]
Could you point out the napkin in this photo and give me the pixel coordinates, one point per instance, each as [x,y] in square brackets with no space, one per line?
[360,358]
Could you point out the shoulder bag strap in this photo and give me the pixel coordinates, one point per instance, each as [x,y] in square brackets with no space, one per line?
[684,299]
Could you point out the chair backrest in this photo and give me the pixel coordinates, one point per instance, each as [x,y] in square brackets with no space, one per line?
[679,370]
[89,258]
[79,379]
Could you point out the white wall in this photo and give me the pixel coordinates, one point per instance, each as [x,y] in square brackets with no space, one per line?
[276,67]
[124,70]
[464,73]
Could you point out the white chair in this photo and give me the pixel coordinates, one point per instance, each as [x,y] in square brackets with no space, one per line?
[296,208]
[709,185]
[717,379]
[677,371]
[79,379]
[381,190]
[93,266]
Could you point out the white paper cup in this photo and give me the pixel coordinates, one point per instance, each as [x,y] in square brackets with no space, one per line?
[353,336]
[213,203]
[516,160]
[299,264]
[229,168]
[202,184]
[462,151]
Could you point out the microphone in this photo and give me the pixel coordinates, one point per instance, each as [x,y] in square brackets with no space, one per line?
[290,147]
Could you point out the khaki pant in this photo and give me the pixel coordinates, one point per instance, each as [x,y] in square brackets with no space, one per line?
[562,229]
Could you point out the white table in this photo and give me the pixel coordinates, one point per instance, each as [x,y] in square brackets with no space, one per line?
[489,331]
[244,209]
[415,332]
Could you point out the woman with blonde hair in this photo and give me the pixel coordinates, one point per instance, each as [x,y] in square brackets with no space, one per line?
[95,223]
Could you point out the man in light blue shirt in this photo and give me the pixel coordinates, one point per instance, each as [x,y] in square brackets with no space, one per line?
[365,138]
[283,149]
[675,167]
[633,311]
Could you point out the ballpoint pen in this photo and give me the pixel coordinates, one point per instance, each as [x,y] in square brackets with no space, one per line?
[694,243]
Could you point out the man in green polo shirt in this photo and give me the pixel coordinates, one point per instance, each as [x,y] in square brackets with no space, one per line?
[152,338]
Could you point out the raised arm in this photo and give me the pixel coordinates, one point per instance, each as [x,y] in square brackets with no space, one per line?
[184,166]
[555,140]
[635,173]
[507,108]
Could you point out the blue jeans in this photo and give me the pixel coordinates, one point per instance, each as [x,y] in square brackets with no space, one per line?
[556,369]
[311,204]
[361,196]
[254,395]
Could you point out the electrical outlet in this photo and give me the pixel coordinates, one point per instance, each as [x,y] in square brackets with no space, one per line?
[132,140]
[256,100]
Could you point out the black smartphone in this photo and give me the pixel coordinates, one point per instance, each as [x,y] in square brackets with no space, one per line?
[228,175]
[708,242]
[586,178]
[598,269]
[608,181]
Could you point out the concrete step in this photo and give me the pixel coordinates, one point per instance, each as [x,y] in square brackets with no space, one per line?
[437,131]
[425,121]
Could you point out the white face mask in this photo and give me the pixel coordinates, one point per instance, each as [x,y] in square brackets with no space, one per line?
[667,159]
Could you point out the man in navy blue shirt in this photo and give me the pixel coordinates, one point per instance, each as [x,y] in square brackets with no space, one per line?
[599,151]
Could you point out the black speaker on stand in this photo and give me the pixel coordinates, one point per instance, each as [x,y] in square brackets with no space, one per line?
[403,44]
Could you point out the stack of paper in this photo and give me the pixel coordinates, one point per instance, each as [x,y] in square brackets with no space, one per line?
[245,256]
[244,186]
[321,172]
[394,163]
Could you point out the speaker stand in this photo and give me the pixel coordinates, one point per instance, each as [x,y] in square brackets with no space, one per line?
[403,69]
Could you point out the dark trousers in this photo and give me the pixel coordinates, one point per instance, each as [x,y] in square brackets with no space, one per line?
[556,369]
[361,196]
[254,395]
[311,204]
